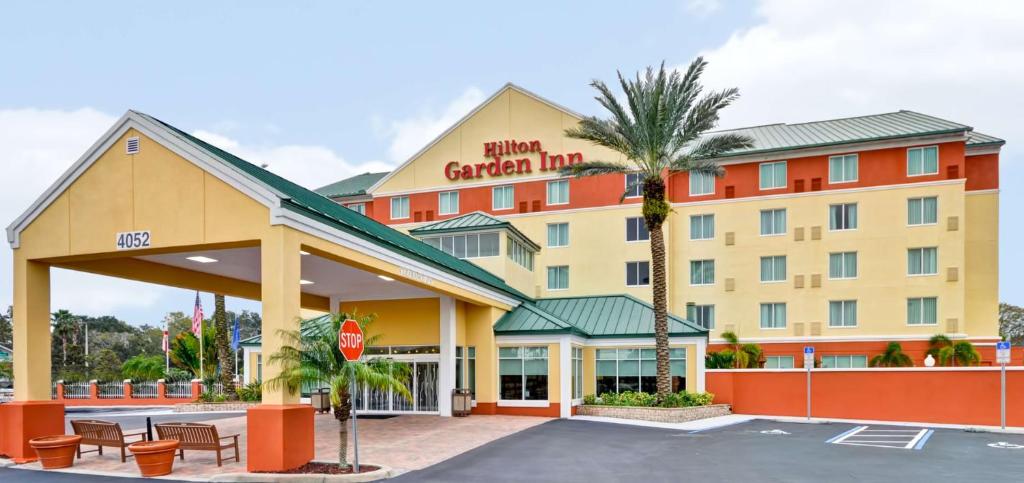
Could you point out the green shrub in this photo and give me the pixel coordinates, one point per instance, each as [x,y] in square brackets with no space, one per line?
[629,398]
[252,392]
[590,399]
[211,397]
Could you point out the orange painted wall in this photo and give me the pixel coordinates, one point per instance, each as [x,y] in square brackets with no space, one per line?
[552,411]
[932,396]
[982,172]
[916,349]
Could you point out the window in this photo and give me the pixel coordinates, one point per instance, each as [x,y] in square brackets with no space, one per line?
[634,186]
[843,362]
[842,169]
[702,227]
[558,235]
[577,372]
[558,192]
[636,229]
[503,198]
[701,183]
[922,261]
[773,175]
[702,272]
[842,313]
[448,203]
[466,246]
[518,252]
[259,367]
[465,369]
[922,311]
[523,373]
[773,269]
[702,315]
[558,277]
[842,265]
[773,316]
[399,207]
[357,207]
[778,362]
[620,370]
[842,217]
[921,161]
[638,274]
[922,211]
[773,222]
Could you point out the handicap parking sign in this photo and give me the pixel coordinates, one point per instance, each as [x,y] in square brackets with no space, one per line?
[808,356]
[1003,352]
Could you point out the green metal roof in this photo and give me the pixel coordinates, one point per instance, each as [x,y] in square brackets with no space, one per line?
[306,328]
[320,208]
[354,186]
[590,316]
[475,221]
[891,125]
[979,139]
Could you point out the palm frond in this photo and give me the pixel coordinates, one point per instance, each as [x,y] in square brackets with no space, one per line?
[593,168]
[713,146]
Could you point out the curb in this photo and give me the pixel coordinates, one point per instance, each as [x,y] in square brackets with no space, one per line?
[382,473]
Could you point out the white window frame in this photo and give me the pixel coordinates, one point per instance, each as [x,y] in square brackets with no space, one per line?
[856,267]
[938,162]
[778,359]
[774,212]
[785,311]
[921,260]
[773,165]
[357,207]
[440,202]
[922,200]
[773,278]
[640,222]
[558,269]
[702,226]
[522,401]
[843,324]
[577,373]
[636,267]
[639,187]
[502,189]
[400,200]
[844,216]
[703,282]
[702,176]
[699,310]
[836,357]
[549,226]
[922,323]
[843,159]
[548,192]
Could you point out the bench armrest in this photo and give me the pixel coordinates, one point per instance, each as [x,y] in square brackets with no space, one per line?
[229,436]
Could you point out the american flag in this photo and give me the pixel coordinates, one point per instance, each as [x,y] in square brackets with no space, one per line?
[197,318]
[167,345]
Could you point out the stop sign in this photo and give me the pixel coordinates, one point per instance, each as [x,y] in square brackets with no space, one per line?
[350,340]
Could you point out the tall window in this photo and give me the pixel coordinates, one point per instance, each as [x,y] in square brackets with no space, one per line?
[702,315]
[702,227]
[702,272]
[520,253]
[259,367]
[466,246]
[620,370]
[773,316]
[842,169]
[638,274]
[636,229]
[773,269]
[842,265]
[634,188]
[842,313]
[357,207]
[921,161]
[923,261]
[558,235]
[448,203]
[558,192]
[778,362]
[399,207]
[701,183]
[842,217]
[558,277]
[465,368]
[922,311]
[772,175]
[922,211]
[773,222]
[503,197]
[577,372]
[844,361]
[523,373]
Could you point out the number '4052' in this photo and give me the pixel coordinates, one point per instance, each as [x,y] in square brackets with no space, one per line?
[130,240]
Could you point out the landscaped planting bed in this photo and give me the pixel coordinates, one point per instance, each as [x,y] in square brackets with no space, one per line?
[677,408]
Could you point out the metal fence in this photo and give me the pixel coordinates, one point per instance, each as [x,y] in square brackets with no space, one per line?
[110,390]
[144,390]
[53,391]
[179,389]
[76,390]
[215,388]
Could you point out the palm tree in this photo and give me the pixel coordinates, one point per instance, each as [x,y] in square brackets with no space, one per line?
[310,358]
[225,356]
[660,132]
[65,327]
[935,345]
[962,352]
[185,352]
[740,358]
[892,357]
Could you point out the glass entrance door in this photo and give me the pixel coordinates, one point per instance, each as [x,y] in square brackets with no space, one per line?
[422,385]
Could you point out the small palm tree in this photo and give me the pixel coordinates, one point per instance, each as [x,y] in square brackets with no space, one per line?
[740,358]
[310,358]
[892,357]
[660,132]
[935,345]
[961,352]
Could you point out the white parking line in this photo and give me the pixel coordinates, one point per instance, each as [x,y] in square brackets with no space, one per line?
[884,438]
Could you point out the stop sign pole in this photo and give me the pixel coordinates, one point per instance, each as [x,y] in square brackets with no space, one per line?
[350,343]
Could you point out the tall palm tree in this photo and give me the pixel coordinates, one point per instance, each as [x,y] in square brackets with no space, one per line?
[310,358]
[660,132]
[892,357]
[225,356]
[65,327]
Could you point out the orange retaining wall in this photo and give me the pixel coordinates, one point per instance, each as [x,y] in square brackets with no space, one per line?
[935,395]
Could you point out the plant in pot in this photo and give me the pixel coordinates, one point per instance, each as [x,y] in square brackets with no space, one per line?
[155,458]
[56,451]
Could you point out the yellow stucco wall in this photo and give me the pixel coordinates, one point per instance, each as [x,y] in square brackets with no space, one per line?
[401,322]
[981,274]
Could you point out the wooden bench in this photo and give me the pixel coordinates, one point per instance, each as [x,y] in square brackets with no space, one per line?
[198,437]
[103,433]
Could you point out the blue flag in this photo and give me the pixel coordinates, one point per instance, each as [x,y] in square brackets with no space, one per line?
[236,336]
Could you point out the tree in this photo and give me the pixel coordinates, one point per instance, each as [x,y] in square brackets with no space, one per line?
[312,359]
[105,366]
[225,356]
[185,352]
[65,328]
[961,352]
[7,328]
[892,357]
[1011,323]
[143,368]
[660,132]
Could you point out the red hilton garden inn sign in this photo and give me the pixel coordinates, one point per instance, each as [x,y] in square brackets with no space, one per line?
[504,160]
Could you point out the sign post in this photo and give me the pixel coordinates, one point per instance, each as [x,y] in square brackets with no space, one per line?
[808,363]
[1003,358]
[350,343]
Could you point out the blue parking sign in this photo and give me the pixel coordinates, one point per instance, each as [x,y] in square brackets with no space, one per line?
[1003,345]
[808,349]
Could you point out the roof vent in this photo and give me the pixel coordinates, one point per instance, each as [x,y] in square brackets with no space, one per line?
[131,145]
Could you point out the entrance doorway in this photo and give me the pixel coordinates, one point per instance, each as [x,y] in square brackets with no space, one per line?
[424,364]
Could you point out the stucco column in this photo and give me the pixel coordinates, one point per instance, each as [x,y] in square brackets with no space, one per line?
[701,353]
[446,369]
[565,376]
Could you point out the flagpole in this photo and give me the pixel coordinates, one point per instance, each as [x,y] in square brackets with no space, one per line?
[202,368]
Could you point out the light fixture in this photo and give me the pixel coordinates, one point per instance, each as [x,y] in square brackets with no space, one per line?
[303,252]
[385,278]
[202,259]
[305,282]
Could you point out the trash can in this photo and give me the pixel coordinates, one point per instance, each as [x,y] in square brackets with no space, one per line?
[462,402]
[321,401]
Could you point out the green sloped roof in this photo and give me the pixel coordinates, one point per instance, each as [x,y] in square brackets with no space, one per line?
[590,316]
[891,125]
[320,208]
[979,139]
[354,186]
[307,327]
[475,221]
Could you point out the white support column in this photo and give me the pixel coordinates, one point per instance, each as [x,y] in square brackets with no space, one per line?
[446,369]
[335,304]
[565,376]
[702,349]
[245,366]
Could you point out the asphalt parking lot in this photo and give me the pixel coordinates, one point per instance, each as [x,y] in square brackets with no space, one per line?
[761,450]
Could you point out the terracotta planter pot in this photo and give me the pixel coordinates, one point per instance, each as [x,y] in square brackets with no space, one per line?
[155,458]
[56,451]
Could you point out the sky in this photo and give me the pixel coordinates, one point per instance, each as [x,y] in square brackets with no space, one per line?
[323,90]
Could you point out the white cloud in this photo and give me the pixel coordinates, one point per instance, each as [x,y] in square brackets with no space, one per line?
[411,134]
[703,8]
